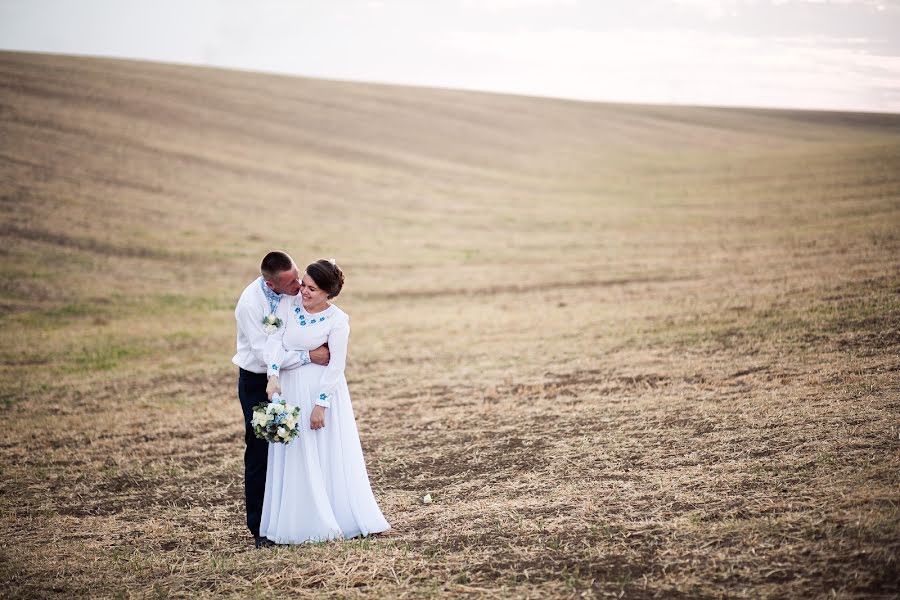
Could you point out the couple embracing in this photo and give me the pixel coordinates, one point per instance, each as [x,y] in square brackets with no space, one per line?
[315,488]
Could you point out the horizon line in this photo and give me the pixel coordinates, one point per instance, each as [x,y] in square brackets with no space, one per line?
[436,87]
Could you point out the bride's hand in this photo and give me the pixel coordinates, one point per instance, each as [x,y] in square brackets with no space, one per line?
[273,387]
[317,418]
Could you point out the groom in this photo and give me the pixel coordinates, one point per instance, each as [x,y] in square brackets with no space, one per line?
[279,277]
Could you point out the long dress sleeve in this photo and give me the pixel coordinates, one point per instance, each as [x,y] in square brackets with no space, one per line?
[275,355]
[338,340]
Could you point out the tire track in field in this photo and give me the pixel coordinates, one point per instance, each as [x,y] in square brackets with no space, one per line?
[495,290]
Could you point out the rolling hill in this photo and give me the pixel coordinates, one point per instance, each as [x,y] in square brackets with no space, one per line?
[638,350]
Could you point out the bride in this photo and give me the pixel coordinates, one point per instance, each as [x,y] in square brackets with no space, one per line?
[317,487]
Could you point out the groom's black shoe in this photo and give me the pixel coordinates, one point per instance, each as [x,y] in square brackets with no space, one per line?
[264,542]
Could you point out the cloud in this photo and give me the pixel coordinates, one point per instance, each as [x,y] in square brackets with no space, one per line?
[717,9]
[868,3]
[499,5]
[713,9]
[678,66]
[840,54]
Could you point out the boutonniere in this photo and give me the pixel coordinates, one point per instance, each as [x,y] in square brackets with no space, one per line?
[271,324]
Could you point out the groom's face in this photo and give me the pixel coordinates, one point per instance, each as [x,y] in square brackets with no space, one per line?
[286,282]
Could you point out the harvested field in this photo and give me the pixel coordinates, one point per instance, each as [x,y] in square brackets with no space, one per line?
[631,351]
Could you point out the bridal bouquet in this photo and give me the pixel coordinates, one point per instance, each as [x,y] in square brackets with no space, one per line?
[276,421]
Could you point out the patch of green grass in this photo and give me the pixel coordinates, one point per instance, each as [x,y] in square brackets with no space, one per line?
[58,316]
[183,302]
[103,358]
[48,315]
[806,319]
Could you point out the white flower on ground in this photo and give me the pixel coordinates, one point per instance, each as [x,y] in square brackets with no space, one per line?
[426,499]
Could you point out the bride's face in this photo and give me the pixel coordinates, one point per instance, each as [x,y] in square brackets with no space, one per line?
[311,294]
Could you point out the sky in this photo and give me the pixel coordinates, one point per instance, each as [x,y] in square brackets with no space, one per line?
[816,54]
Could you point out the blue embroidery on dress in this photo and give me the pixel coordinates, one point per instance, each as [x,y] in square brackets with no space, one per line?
[274,367]
[301,318]
[272,298]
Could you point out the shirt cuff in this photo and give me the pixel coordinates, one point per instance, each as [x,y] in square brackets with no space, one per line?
[304,357]
[324,400]
[272,370]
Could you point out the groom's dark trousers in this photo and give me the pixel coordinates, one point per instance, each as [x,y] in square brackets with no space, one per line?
[252,391]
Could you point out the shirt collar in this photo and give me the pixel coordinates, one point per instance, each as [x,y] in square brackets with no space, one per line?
[270,294]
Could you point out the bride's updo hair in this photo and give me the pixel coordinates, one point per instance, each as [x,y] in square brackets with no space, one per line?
[327,275]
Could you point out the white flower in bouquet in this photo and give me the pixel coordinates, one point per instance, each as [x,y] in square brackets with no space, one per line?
[259,418]
[276,421]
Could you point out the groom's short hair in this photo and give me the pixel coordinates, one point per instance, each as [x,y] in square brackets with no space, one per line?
[274,263]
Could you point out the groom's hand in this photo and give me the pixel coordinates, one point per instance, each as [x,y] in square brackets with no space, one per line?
[273,387]
[317,418]
[320,355]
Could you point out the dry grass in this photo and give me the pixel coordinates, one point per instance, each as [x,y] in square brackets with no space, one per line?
[630,351]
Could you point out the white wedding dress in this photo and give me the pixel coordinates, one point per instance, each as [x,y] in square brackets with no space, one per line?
[317,487]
